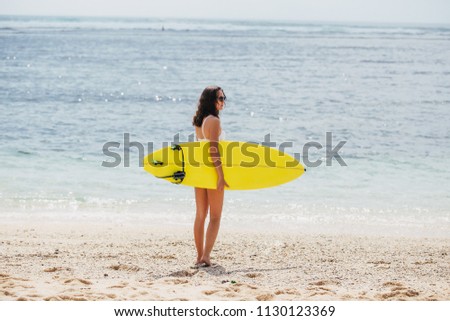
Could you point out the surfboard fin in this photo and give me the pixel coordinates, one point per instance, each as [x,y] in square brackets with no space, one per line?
[178,176]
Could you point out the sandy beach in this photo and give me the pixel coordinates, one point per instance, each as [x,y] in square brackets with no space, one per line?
[67,261]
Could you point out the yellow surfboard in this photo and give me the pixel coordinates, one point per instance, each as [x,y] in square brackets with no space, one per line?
[245,165]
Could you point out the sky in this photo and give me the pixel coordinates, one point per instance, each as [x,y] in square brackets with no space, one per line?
[384,11]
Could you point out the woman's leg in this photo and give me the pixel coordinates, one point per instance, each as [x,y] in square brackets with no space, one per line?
[215,199]
[201,200]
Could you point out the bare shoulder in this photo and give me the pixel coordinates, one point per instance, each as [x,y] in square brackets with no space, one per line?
[212,128]
[213,122]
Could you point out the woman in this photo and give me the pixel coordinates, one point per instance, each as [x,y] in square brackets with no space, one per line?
[207,128]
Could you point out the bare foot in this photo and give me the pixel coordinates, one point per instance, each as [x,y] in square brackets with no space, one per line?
[205,261]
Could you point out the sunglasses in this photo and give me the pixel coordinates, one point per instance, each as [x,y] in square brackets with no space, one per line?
[221,98]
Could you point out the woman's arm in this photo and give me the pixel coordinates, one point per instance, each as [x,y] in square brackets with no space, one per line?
[214,133]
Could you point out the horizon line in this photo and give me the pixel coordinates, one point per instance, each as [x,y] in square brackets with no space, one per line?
[231,19]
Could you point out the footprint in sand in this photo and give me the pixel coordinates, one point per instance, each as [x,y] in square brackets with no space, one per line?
[111,296]
[65,298]
[324,282]
[7,293]
[176,281]
[56,269]
[210,292]
[399,294]
[381,264]
[265,297]
[229,295]
[254,275]
[53,269]
[34,296]
[163,257]
[118,286]
[124,267]
[251,287]
[85,282]
[391,284]
[184,273]
[232,289]
[322,287]
[8,284]
[287,291]
[424,262]
[398,291]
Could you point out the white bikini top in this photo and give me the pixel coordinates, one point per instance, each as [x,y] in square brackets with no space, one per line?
[221,136]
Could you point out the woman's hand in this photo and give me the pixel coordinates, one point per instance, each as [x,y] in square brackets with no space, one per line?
[221,183]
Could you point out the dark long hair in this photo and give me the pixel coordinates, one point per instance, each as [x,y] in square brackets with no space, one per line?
[206,105]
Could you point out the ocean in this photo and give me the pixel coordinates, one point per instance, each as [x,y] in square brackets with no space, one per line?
[70,85]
